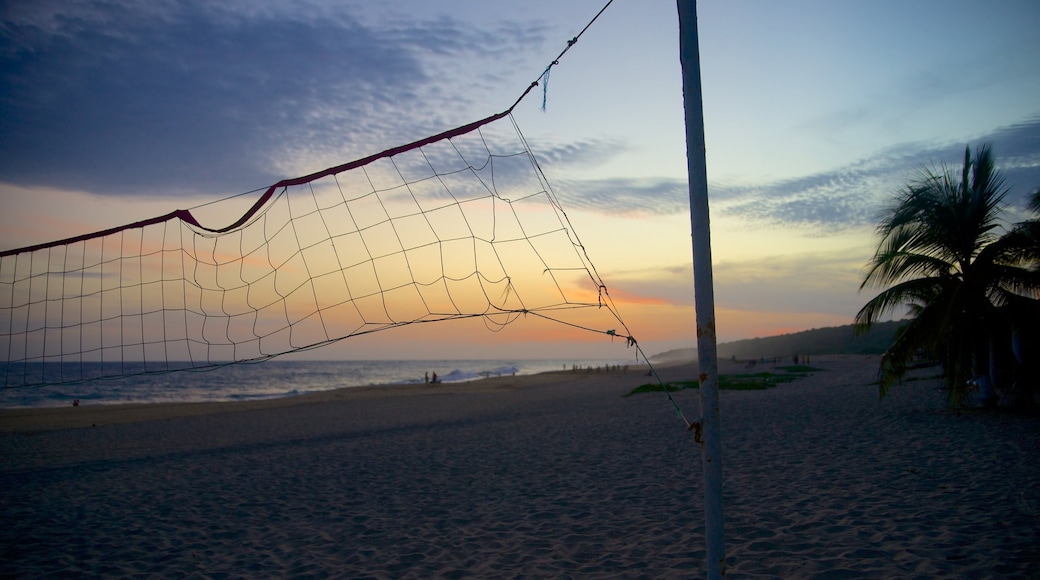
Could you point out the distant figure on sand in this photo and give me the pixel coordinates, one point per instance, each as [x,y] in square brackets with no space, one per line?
[427,376]
[434,378]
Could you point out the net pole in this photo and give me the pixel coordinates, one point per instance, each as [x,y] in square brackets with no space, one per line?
[707,356]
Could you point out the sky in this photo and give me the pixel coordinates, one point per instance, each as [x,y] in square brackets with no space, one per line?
[113,111]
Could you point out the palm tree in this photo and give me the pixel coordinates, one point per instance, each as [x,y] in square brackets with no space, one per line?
[941,255]
[1021,315]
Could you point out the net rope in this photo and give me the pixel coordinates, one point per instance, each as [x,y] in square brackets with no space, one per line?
[459,225]
[462,224]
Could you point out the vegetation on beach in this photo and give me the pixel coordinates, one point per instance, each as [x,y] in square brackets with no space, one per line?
[969,283]
[829,340]
[739,382]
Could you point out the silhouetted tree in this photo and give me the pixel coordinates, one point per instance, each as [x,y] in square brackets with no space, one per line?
[942,255]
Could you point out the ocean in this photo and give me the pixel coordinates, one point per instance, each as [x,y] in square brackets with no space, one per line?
[275,378]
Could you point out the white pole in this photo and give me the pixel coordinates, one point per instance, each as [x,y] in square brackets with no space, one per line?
[707,356]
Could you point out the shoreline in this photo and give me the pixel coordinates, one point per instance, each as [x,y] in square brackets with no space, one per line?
[92,415]
[48,418]
[275,379]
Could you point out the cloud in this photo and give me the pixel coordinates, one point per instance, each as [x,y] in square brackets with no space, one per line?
[625,196]
[589,153]
[844,198]
[851,196]
[820,281]
[170,97]
[829,201]
[613,195]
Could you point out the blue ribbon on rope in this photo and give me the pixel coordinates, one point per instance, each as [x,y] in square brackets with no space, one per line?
[545,85]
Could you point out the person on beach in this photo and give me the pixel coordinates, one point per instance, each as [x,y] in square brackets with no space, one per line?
[434,378]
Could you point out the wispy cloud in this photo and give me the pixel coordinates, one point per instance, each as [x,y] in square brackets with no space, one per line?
[616,196]
[167,97]
[790,283]
[626,196]
[851,196]
[840,199]
[579,154]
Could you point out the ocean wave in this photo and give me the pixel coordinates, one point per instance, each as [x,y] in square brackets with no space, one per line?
[270,379]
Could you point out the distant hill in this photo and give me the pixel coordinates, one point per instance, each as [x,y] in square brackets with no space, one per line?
[831,340]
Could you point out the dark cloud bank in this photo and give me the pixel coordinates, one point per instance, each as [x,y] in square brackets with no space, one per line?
[159,97]
[186,97]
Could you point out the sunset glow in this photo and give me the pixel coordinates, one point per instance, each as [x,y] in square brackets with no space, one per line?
[814,114]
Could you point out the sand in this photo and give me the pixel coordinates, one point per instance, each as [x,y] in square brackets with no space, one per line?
[554,475]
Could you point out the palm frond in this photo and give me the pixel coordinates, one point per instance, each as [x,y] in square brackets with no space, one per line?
[898,266]
[912,341]
[918,291]
[1034,202]
[944,254]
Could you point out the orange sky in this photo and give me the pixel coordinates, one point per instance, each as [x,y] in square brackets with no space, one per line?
[655,301]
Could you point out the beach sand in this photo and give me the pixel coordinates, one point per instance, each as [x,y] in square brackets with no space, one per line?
[553,475]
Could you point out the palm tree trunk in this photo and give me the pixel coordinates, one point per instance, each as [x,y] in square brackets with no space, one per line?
[989,399]
[983,366]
